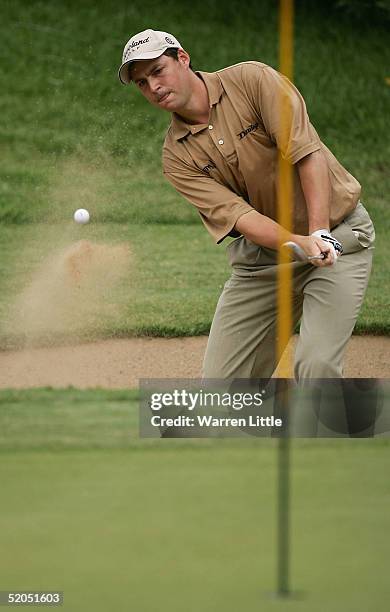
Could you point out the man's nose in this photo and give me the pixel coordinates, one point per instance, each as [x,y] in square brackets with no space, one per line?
[154,85]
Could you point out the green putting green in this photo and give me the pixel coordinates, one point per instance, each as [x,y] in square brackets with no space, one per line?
[119,522]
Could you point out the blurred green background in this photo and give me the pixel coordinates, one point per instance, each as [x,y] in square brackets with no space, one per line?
[70,129]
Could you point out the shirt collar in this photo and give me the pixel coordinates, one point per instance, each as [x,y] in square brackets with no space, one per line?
[180,128]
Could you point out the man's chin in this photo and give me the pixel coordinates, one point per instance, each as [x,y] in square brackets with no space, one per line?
[167,103]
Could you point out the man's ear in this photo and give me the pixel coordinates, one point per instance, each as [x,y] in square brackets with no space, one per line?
[183,57]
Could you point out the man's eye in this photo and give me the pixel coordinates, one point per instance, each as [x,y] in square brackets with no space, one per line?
[141,83]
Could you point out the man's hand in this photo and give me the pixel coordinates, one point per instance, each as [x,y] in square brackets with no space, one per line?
[321,248]
[265,232]
[327,237]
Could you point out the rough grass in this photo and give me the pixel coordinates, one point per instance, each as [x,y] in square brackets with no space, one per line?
[170,287]
[70,131]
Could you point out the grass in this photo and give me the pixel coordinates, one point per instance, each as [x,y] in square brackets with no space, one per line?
[170,287]
[68,420]
[116,521]
[64,112]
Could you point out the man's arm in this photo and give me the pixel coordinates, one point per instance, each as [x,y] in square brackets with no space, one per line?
[265,232]
[313,174]
[299,143]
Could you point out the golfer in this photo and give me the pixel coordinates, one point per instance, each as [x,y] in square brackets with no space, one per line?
[221,153]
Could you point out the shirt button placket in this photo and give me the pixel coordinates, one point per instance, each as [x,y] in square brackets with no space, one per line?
[220,141]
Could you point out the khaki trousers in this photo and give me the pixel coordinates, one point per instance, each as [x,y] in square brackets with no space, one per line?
[242,341]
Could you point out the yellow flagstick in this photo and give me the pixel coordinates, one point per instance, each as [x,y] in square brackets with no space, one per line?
[285,181]
[284,298]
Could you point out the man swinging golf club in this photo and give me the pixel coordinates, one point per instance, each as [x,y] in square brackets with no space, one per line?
[221,153]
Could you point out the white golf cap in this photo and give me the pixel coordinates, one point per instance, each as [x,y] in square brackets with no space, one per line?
[145,45]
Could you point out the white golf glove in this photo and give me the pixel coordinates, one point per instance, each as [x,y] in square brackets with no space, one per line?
[335,246]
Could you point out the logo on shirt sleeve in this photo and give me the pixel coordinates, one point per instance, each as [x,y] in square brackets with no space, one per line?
[249,129]
[210,166]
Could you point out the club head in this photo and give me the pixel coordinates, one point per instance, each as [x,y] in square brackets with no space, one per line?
[295,251]
[298,254]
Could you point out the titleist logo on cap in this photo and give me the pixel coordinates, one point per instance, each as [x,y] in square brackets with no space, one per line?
[134,46]
[139,42]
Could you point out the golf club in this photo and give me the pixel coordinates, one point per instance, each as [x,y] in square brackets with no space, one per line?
[299,254]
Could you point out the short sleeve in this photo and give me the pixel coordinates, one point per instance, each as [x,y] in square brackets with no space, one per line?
[271,92]
[218,206]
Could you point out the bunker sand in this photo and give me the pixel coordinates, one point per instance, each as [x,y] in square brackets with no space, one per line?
[119,364]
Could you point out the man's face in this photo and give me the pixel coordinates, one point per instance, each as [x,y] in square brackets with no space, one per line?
[164,81]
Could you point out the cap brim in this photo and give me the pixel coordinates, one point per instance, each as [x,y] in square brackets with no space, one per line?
[123,72]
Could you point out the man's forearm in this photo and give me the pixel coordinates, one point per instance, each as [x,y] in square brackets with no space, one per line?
[313,173]
[314,177]
[262,230]
[265,232]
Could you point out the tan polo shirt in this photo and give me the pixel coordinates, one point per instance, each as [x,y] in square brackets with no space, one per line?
[228,166]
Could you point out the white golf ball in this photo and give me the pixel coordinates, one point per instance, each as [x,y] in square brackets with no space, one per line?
[81,216]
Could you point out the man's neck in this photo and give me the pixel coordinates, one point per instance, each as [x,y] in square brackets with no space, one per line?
[197,111]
